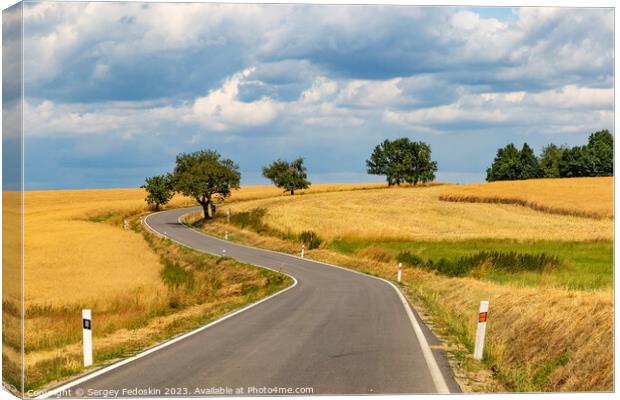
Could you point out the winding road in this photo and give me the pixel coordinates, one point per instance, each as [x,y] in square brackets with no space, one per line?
[335,331]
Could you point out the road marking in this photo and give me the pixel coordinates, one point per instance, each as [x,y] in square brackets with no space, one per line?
[438,378]
[436,375]
[114,366]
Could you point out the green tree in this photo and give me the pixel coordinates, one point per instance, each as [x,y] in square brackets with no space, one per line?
[505,165]
[513,164]
[288,176]
[577,161]
[601,147]
[206,177]
[159,190]
[550,160]
[402,160]
[528,164]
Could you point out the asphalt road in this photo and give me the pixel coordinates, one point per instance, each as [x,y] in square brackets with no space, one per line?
[335,332]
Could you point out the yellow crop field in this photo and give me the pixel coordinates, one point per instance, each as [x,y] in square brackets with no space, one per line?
[66,252]
[590,197]
[78,255]
[72,260]
[408,213]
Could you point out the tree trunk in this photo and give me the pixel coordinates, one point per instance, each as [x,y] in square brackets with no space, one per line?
[213,210]
[292,192]
[205,208]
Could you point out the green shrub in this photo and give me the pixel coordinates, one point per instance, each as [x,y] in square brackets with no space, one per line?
[409,258]
[310,239]
[251,219]
[174,275]
[511,262]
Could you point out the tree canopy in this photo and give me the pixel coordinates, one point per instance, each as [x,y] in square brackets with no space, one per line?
[511,164]
[159,190]
[596,158]
[601,146]
[402,160]
[550,160]
[289,176]
[205,176]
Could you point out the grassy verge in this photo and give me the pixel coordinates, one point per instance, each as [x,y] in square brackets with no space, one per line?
[199,288]
[538,340]
[583,265]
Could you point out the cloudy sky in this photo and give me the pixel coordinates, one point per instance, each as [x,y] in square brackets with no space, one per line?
[115,90]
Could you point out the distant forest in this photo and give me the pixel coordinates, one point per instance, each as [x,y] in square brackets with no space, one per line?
[596,158]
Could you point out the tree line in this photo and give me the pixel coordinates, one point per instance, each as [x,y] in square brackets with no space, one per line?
[208,178]
[596,158]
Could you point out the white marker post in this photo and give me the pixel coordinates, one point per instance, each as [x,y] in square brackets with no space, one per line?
[125,224]
[88,337]
[400,271]
[228,212]
[303,247]
[165,235]
[482,328]
[223,252]
[226,235]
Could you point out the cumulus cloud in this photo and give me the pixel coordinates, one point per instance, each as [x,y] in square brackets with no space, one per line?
[221,108]
[570,109]
[276,75]
[321,90]
[378,93]
[114,119]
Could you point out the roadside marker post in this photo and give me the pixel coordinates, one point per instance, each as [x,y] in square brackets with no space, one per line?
[482,328]
[228,212]
[125,224]
[226,235]
[400,271]
[223,252]
[303,247]
[88,337]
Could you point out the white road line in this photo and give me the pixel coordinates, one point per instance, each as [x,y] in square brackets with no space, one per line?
[438,378]
[436,375]
[114,366]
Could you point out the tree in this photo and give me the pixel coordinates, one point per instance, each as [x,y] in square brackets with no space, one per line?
[159,190]
[506,165]
[402,160]
[288,176]
[206,177]
[512,164]
[577,161]
[528,164]
[550,160]
[594,159]
[601,147]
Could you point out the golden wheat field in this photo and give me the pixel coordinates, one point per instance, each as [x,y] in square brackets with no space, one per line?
[66,252]
[551,340]
[416,213]
[538,338]
[77,254]
[11,237]
[591,197]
